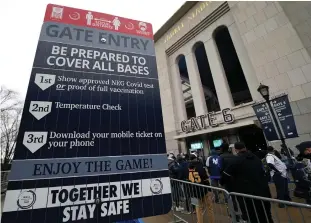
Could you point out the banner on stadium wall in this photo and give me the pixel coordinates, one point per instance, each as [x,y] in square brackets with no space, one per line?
[285,116]
[265,119]
[91,144]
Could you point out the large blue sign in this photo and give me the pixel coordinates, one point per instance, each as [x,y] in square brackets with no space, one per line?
[91,144]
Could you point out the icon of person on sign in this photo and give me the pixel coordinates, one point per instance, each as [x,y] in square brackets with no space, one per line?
[89,17]
[116,23]
[57,13]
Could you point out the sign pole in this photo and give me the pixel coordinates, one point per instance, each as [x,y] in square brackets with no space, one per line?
[278,129]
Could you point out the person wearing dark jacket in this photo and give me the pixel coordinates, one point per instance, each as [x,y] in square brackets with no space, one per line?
[226,159]
[197,174]
[302,181]
[302,174]
[226,156]
[246,175]
[174,169]
[183,167]
[172,166]
[213,166]
[305,150]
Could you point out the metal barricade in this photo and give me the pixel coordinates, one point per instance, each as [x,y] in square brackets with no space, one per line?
[197,203]
[266,210]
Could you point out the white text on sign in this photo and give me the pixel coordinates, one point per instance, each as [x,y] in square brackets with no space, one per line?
[97,61]
[80,202]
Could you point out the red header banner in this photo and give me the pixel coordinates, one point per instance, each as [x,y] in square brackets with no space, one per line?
[79,17]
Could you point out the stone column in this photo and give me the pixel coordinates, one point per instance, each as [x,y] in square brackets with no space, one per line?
[178,97]
[196,85]
[206,146]
[219,76]
[182,145]
[246,64]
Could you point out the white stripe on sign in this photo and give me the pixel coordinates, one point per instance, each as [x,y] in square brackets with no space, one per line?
[26,199]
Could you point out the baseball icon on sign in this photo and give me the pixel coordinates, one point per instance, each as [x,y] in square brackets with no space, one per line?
[26,199]
[156,186]
[129,26]
[74,16]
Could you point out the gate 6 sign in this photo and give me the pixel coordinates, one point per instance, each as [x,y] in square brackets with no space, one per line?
[207,120]
[91,144]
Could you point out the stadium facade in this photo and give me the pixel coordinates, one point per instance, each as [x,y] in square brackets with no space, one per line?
[211,58]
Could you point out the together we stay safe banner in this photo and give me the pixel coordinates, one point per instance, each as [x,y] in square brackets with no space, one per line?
[91,144]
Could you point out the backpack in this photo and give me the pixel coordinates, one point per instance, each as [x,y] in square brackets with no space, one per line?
[266,168]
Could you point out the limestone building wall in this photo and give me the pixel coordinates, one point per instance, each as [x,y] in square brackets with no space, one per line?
[272,34]
[272,43]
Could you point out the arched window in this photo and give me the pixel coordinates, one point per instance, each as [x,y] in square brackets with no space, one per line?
[186,88]
[230,61]
[207,81]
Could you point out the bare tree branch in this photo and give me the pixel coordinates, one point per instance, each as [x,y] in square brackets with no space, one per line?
[9,99]
[11,110]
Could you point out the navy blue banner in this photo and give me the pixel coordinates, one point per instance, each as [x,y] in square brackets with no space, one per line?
[264,117]
[91,145]
[284,114]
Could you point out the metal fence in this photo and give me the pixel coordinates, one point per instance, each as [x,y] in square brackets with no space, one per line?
[199,203]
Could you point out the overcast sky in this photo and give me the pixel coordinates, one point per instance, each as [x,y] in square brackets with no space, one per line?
[21,22]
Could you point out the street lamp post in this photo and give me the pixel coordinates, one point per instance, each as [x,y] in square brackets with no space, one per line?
[264,91]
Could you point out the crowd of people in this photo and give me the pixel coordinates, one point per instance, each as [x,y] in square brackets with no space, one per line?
[242,172]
